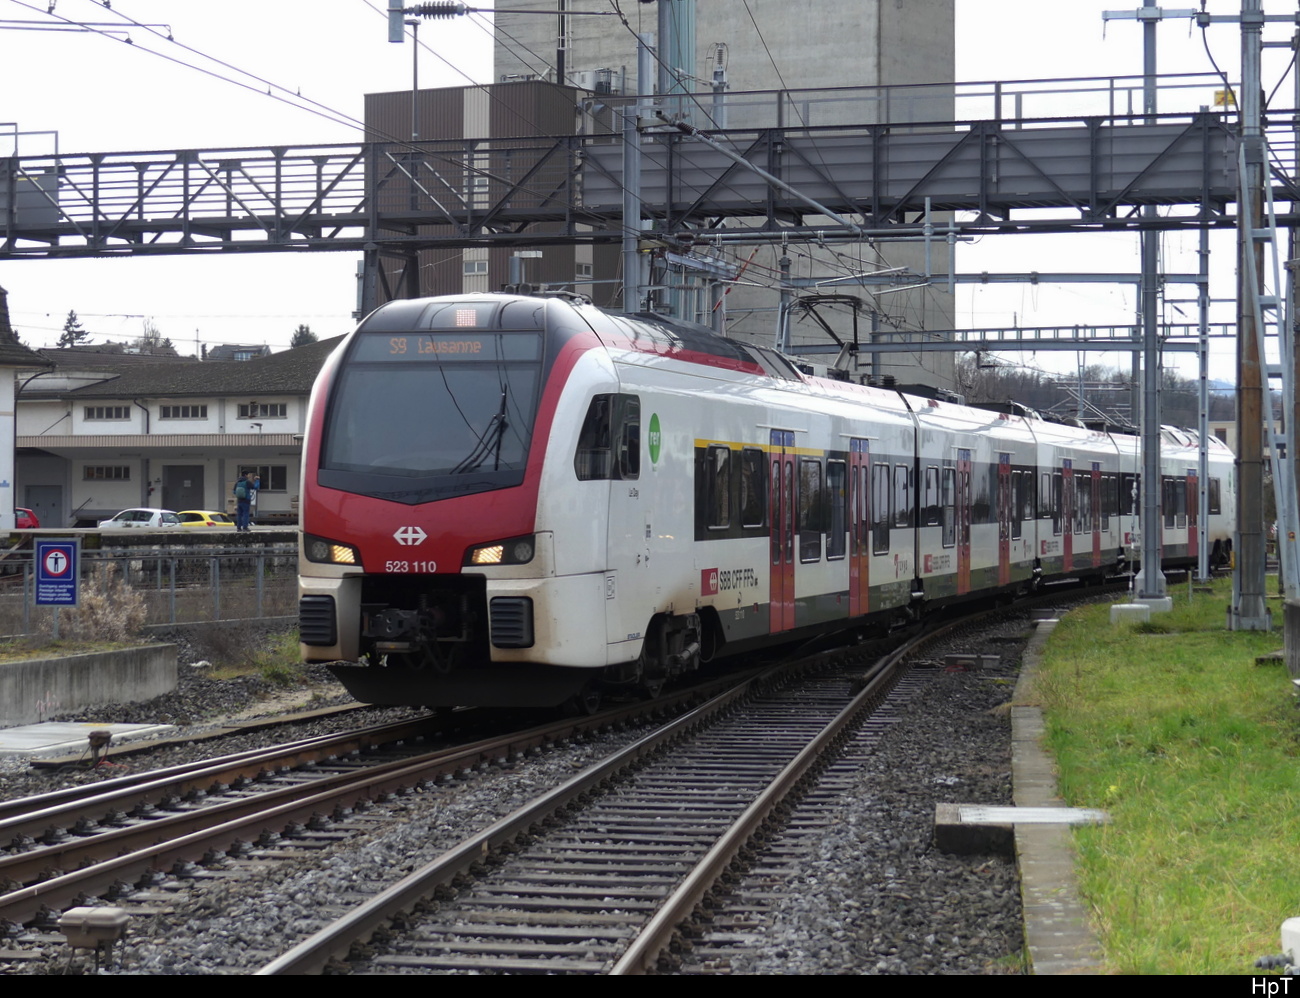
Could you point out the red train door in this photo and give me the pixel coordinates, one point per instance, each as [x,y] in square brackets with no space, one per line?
[1068,500]
[1004,519]
[1094,510]
[859,528]
[963,521]
[782,507]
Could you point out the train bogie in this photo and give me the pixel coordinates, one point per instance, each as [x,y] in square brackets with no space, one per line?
[509,499]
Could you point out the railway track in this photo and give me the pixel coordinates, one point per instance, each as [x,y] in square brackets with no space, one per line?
[100,840]
[674,820]
[597,875]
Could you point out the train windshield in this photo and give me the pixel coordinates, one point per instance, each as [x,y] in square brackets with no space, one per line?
[416,416]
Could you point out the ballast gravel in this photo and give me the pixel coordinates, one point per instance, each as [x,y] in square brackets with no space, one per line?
[876,897]
[873,896]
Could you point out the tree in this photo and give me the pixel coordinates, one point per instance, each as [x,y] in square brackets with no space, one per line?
[73,333]
[151,337]
[302,336]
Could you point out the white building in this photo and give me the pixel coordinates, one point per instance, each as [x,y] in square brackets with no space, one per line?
[100,433]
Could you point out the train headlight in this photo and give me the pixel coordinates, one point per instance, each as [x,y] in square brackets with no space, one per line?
[329,552]
[516,551]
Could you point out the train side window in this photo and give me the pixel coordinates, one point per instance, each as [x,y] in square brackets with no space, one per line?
[1017,502]
[949,507]
[902,495]
[1058,493]
[1216,505]
[609,443]
[810,510]
[752,490]
[718,487]
[629,437]
[1167,500]
[787,504]
[880,509]
[1045,497]
[776,508]
[837,528]
[1028,504]
[931,499]
[861,511]
[592,461]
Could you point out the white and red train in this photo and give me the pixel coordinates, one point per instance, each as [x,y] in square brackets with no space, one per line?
[517,500]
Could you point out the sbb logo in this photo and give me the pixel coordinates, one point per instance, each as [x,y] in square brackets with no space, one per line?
[709,582]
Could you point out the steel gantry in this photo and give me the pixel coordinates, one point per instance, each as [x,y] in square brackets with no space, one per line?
[1031,175]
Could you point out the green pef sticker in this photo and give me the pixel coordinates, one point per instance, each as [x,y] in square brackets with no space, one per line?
[655,438]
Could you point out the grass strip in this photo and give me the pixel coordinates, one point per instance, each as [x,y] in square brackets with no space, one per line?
[1192,748]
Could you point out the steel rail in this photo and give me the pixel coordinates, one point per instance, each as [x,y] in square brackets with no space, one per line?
[334,941]
[23,815]
[658,933]
[194,831]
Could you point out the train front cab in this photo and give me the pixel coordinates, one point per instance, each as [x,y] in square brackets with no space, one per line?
[422,553]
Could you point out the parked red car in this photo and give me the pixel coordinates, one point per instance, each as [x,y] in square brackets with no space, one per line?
[25,519]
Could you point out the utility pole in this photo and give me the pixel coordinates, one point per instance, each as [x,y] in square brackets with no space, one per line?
[414,25]
[1150,580]
[1288,527]
[633,266]
[1249,605]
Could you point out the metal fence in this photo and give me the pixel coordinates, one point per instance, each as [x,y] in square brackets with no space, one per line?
[175,586]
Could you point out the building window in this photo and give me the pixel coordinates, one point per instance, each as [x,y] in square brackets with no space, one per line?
[275,477]
[183,412]
[108,412]
[583,271]
[106,473]
[263,410]
[476,268]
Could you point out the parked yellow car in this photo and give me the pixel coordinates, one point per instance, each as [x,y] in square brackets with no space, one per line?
[204,518]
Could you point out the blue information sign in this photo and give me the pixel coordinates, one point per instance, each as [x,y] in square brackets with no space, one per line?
[56,572]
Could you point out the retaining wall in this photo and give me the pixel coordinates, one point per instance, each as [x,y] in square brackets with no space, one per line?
[35,689]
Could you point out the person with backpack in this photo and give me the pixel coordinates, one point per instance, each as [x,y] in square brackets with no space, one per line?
[245,489]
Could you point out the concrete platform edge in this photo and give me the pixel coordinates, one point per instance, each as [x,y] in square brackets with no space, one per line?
[1058,936]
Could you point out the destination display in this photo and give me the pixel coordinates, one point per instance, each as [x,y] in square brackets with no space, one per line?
[448,347]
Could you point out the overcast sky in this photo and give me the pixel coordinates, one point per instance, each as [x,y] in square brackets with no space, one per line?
[99,93]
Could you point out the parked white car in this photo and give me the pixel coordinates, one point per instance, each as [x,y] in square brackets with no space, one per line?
[142,518]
